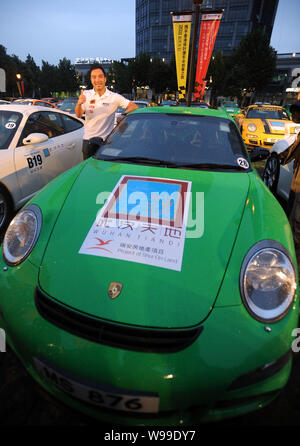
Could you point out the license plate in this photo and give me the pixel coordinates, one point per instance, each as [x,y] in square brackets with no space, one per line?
[272,140]
[98,394]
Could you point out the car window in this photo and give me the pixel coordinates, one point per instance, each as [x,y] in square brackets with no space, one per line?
[48,123]
[70,124]
[177,138]
[42,104]
[68,107]
[230,104]
[256,113]
[9,123]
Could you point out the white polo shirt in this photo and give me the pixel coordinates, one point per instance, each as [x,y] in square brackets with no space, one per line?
[100,112]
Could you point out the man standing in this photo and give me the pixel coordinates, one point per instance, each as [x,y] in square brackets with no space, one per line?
[99,106]
[293,153]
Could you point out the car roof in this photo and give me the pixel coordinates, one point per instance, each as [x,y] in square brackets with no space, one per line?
[268,106]
[29,109]
[185,111]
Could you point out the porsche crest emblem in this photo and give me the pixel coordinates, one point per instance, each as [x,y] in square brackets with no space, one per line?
[114,289]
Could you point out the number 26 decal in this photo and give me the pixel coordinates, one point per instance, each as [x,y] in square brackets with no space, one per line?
[34,161]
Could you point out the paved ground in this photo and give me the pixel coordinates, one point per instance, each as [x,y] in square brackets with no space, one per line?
[24,403]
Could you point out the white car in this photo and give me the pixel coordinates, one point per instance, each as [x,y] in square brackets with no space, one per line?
[277,177]
[36,145]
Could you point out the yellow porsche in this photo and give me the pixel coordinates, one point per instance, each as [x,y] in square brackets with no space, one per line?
[263,125]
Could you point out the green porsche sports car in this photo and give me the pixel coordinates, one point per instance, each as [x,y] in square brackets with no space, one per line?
[232,108]
[155,283]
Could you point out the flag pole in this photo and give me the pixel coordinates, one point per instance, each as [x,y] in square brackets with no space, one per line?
[197,4]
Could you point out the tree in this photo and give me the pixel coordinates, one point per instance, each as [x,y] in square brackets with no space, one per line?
[49,75]
[141,70]
[66,76]
[254,62]
[216,76]
[122,76]
[32,77]
[159,75]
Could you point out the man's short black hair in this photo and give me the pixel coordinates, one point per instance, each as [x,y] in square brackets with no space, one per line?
[97,66]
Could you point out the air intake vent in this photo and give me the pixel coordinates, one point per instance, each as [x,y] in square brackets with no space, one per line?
[114,335]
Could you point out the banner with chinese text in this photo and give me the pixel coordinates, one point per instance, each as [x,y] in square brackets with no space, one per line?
[208,32]
[182,32]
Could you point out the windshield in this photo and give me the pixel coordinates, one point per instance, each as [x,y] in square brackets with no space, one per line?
[23,102]
[266,113]
[230,104]
[9,123]
[176,140]
[68,107]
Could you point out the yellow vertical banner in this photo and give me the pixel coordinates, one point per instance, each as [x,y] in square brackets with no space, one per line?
[182,32]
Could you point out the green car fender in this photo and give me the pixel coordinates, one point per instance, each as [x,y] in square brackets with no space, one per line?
[52,199]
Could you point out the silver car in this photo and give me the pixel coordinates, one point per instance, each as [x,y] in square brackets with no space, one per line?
[36,145]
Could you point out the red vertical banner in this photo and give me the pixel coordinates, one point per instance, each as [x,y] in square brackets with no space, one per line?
[208,32]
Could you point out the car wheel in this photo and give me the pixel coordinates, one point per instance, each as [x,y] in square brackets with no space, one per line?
[271,173]
[5,208]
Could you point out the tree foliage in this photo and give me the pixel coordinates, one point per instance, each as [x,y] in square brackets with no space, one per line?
[250,68]
[38,82]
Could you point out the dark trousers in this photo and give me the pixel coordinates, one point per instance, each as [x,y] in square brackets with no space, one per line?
[90,146]
[294,216]
[293,212]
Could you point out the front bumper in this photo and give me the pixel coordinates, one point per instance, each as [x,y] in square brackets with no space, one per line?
[257,153]
[217,376]
[265,141]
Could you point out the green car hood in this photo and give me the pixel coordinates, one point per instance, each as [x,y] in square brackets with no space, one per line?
[151,296]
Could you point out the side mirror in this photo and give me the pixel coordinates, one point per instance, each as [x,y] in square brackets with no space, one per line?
[35,138]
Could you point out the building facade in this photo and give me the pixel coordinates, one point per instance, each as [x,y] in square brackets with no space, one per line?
[285,86]
[154,31]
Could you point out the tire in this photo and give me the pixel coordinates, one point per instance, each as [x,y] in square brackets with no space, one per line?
[271,173]
[5,209]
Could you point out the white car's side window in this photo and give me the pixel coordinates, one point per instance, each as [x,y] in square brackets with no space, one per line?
[71,124]
[9,123]
[48,123]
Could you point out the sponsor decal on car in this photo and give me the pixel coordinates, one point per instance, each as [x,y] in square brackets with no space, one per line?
[276,125]
[144,221]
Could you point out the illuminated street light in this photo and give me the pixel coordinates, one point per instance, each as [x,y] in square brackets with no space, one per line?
[20,84]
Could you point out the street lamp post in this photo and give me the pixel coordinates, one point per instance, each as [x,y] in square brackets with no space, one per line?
[197,4]
[19,79]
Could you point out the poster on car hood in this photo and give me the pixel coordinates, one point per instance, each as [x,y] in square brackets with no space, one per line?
[143,220]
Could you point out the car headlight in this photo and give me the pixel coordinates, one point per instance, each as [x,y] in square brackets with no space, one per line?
[22,234]
[268,281]
[251,127]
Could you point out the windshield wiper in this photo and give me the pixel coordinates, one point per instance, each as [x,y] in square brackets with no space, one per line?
[210,166]
[159,162]
[138,159]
